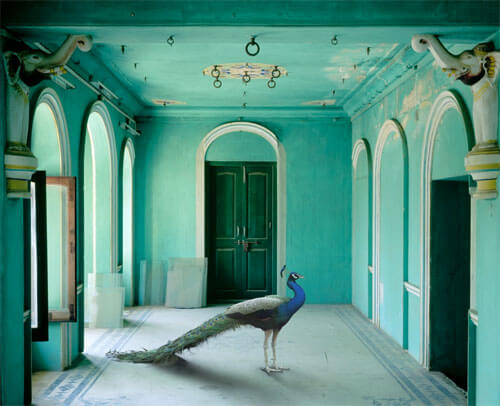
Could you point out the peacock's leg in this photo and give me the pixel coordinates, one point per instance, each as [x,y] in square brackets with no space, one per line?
[266,340]
[274,365]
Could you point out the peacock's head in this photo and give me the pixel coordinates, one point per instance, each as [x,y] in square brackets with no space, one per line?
[294,276]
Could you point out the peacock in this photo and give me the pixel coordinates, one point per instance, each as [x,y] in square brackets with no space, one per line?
[269,313]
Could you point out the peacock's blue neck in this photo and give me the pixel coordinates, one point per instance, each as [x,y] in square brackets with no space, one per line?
[298,298]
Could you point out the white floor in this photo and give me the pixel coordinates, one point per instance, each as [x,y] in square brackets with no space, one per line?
[335,356]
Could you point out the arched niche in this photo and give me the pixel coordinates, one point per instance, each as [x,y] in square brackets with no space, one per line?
[128,159]
[100,192]
[361,226]
[390,231]
[201,153]
[448,110]
[50,144]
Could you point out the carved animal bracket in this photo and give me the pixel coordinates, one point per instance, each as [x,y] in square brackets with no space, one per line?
[24,69]
[478,68]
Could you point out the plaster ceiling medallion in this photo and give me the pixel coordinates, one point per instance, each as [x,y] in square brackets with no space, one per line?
[326,102]
[246,72]
[239,69]
[165,102]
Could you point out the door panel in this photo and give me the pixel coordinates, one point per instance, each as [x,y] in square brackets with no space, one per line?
[225,184]
[257,260]
[225,267]
[240,243]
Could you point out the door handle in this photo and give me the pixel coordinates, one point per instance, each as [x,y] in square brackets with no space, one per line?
[246,244]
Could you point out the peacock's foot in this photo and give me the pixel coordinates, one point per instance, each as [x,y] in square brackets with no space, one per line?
[280,369]
[270,370]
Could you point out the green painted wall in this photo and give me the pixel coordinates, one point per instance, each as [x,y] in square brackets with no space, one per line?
[318,173]
[410,104]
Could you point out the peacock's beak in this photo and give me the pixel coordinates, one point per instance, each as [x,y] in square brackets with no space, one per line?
[300,276]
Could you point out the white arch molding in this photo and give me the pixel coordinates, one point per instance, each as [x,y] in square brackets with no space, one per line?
[270,137]
[359,146]
[50,97]
[100,108]
[388,128]
[447,100]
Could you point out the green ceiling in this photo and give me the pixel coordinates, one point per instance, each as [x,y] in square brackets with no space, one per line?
[147,67]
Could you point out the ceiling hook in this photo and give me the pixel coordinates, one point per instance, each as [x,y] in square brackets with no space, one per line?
[123,49]
[246,77]
[333,92]
[253,44]
[275,73]
[368,51]
[334,40]
[170,40]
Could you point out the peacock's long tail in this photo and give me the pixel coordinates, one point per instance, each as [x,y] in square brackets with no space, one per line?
[212,327]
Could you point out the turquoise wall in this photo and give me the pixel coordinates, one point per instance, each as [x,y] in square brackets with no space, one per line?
[318,176]
[241,146]
[75,105]
[11,282]
[488,299]
[410,104]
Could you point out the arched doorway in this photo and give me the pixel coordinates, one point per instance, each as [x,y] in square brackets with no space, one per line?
[446,236]
[271,138]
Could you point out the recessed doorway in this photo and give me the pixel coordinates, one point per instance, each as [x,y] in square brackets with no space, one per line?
[449,279]
[240,234]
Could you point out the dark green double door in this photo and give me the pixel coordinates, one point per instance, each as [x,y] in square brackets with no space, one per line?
[240,213]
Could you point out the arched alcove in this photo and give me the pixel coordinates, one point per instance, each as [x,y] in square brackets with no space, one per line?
[50,144]
[272,140]
[100,193]
[390,231]
[361,227]
[447,139]
[128,159]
